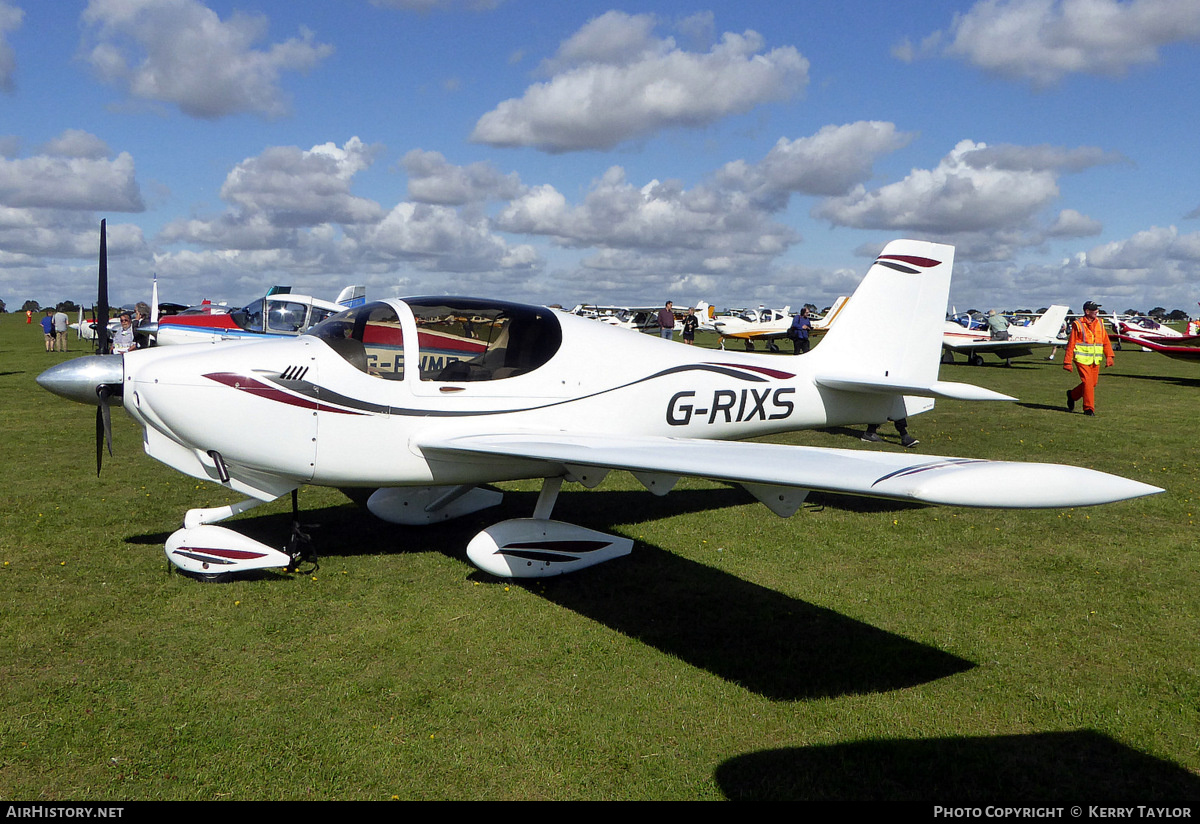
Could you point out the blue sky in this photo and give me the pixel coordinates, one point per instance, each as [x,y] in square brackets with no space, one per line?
[740,153]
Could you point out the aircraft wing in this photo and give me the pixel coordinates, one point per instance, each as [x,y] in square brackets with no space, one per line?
[1001,348]
[756,334]
[1186,351]
[763,468]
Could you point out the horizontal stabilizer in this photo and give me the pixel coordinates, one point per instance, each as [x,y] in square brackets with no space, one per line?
[937,389]
[928,478]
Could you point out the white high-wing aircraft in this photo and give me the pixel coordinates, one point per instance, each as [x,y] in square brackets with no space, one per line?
[428,399]
[1022,340]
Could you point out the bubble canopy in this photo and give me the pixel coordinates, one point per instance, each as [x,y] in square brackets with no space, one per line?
[458,339]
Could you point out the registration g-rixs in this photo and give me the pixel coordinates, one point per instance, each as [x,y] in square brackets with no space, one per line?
[427,400]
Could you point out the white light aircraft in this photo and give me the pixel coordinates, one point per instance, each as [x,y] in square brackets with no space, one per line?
[632,318]
[1022,340]
[749,325]
[429,399]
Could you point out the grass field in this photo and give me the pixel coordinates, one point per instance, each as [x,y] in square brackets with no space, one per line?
[859,650]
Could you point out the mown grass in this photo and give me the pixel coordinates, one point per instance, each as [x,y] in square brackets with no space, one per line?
[861,649]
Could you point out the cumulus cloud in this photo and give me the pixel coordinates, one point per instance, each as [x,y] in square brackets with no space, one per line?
[957,196]
[181,52]
[1043,41]
[438,238]
[1071,223]
[827,163]
[282,189]
[10,20]
[75,173]
[987,198]
[432,179]
[76,143]
[297,187]
[293,211]
[614,81]
[1146,250]
[656,216]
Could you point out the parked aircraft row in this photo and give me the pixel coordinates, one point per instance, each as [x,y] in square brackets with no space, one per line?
[402,397]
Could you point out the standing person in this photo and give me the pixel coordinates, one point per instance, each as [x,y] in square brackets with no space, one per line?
[666,321]
[997,325]
[48,330]
[799,332]
[60,330]
[906,440]
[690,324]
[1087,344]
[28,316]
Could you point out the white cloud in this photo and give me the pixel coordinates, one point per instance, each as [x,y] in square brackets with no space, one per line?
[281,190]
[1042,41]
[77,143]
[61,181]
[431,179]
[1147,249]
[292,214]
[615,82]
[657,216]
[954,197]
[438,238]
[827,163]
[304,188]
[10,20]
[181,52]
[1071,223]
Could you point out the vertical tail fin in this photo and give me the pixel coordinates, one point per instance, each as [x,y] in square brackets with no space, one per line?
[890,329]
[1048,324]
[824,323]
[352,296]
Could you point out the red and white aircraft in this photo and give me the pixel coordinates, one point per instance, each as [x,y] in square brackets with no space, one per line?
[1153,336]
[428,399]
[279,314]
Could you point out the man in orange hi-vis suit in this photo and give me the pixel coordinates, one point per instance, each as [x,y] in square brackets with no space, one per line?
[1087,345]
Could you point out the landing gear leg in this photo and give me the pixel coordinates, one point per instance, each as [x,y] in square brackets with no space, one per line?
[300,548]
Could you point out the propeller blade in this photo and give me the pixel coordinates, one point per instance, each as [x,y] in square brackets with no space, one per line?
[102,292]
[103,427]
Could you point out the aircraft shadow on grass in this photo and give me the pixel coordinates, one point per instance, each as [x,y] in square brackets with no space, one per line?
[1082,767]
[1172,379]
[777,646]
[1047,407]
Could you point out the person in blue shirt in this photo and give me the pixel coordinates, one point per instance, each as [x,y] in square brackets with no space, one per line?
[48,329]
[798,332]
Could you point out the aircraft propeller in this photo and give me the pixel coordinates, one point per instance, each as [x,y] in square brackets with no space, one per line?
[103,392]
[93,379]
